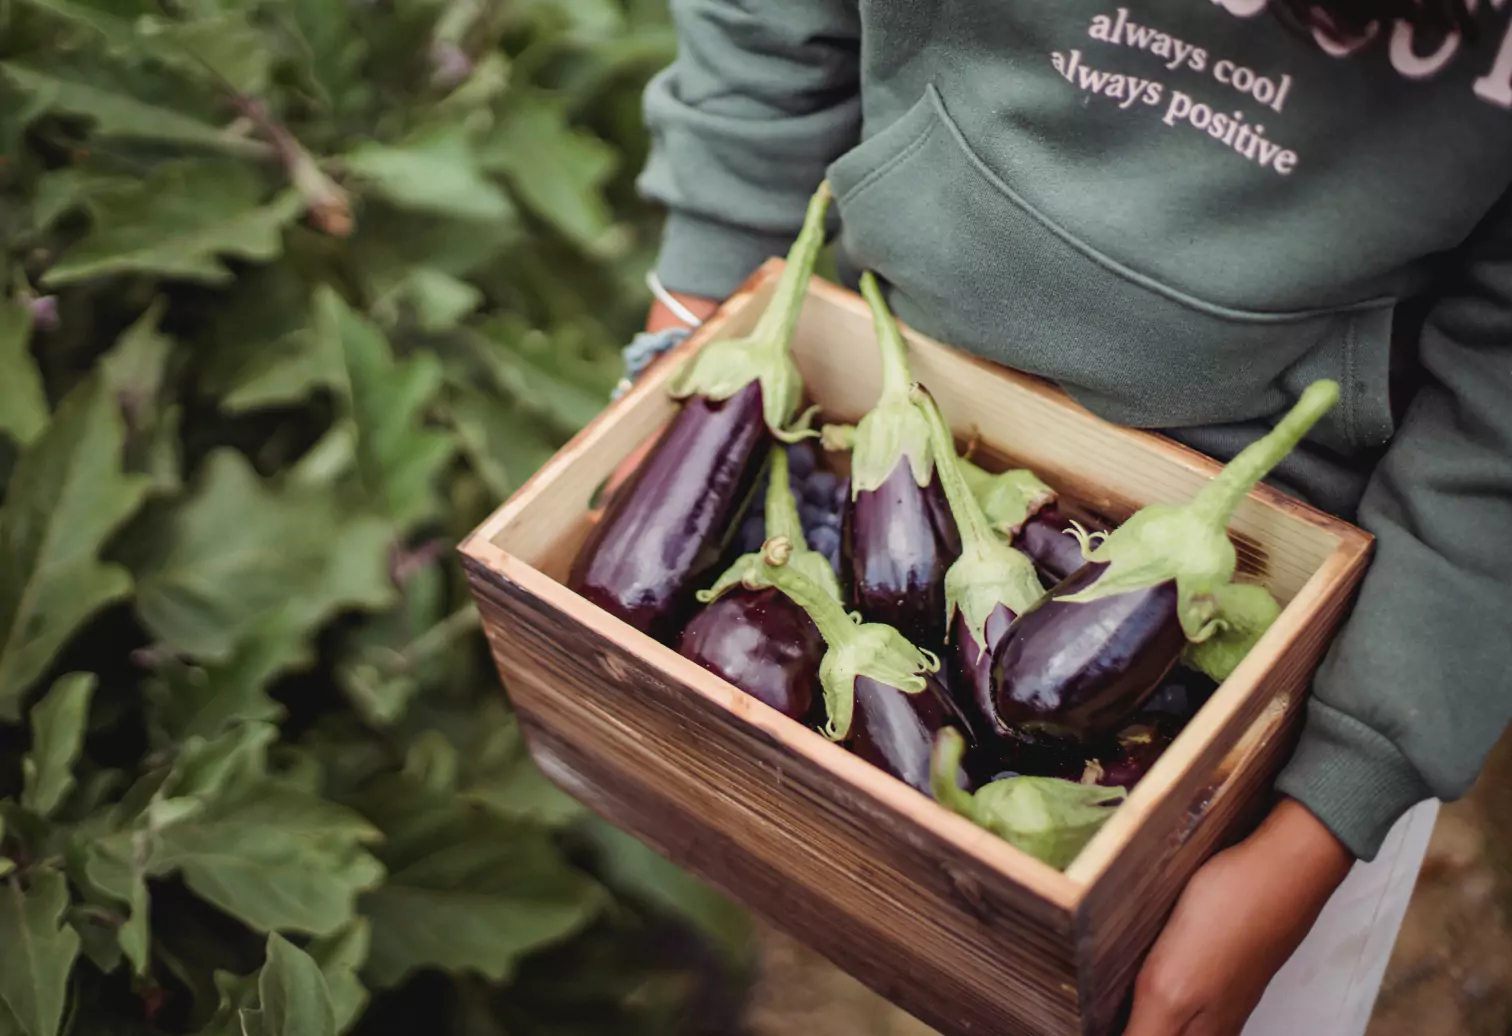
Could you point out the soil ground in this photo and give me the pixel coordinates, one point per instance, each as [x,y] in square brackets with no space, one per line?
[1450,975]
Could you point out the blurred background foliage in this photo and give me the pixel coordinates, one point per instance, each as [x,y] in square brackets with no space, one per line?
[294,292]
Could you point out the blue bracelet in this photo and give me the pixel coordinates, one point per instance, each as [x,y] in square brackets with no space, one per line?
[643,350]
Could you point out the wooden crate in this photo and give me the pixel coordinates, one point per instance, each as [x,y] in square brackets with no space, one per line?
[954,925]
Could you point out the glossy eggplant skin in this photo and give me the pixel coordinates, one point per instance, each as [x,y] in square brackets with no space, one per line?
[665,530]
[1082,669]
[971,669]
[1055,553]
[897,541]
[764,644]
[895,731]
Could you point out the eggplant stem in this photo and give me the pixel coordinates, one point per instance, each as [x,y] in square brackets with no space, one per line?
[896,378]
[976,531]
[834,623]
[775,328]
[944,764]
[782,518]
[1217,500]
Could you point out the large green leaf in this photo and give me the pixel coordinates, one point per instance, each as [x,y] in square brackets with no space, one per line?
[23,404]
[292,996]
[226,50]
[341,956]
[57,723]
[397,460]
[435,171]
[466,891]
[116,114]
[558,171]
[66,496]
[275,857]
[179,223]
[117,866]
[37,951]
[217,568]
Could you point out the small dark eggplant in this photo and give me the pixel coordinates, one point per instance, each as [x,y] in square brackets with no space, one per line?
[665,530]
[986,588]
[1049,818]
[1051,543]
[895,731]
[898,538]
[760,640]
[1131,755]
[762,643]
[880,691]
[1158,589]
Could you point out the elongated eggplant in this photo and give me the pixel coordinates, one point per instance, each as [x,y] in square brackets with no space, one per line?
[986,588]
[897,537]
[1157,589]
[665,530]
[760,640]
[1049,539]
[880,692]
[1049,818]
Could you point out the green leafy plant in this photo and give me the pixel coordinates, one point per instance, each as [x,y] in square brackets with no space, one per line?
[294,292]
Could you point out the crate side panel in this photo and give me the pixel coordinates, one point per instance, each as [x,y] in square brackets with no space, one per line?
[940,931]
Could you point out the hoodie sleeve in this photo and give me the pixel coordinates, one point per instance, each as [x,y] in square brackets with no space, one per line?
[763,95]
[1418,687]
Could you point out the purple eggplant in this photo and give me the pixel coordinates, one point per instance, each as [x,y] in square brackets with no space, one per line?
[1049,540]
[1157,590]
[1049,818]
[898,537]
[760,640]
[762,643]
[1132,753]
[880,692]
[986,588]
[665,530]
[895,731]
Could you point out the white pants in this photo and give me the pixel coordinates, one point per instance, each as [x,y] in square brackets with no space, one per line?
[1329,986]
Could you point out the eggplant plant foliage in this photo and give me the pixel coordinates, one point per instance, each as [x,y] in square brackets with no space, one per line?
[292,292]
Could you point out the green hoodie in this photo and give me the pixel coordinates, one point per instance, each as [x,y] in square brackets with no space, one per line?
[1183,211]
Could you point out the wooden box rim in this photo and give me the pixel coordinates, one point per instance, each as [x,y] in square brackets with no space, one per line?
[1066,890]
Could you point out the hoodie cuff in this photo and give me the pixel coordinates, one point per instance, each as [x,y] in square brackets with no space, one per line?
[711,259]
[1352,778]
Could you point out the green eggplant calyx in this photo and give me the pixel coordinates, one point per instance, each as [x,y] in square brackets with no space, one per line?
[889,435]
[893,430]
[1245,612]
[853,648]
[837,438]
[1189,543]
[989,572]
[1048,818]
[1008,499]
[721,369]
[1088,541]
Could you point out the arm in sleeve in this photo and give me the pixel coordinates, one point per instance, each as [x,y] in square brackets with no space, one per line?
[763,95]
[1418,687]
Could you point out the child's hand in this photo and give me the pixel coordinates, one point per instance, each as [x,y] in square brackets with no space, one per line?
[1240,918]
